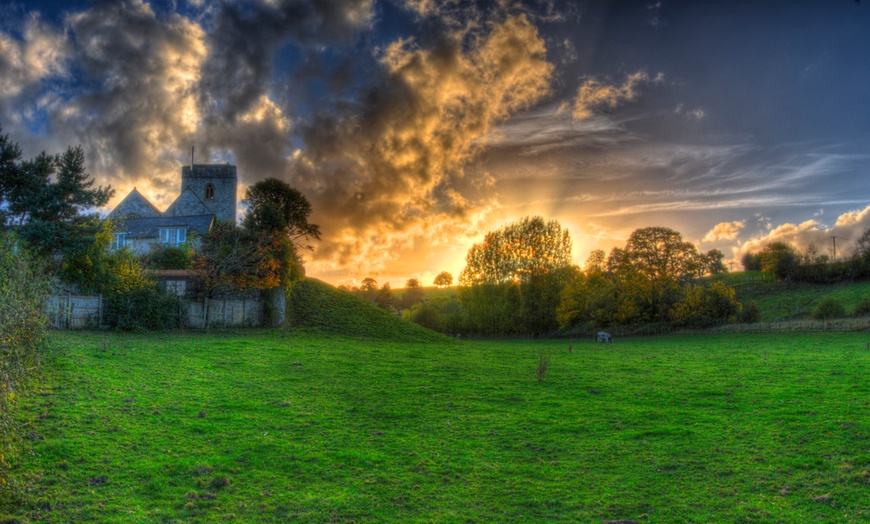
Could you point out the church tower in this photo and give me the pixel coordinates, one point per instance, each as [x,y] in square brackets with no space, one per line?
[215,186]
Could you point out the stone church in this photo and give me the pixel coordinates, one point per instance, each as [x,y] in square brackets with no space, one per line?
[208,193]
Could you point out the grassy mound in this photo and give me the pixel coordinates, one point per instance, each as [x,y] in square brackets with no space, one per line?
[318,306]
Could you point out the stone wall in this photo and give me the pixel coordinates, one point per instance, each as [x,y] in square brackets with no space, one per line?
[222,178]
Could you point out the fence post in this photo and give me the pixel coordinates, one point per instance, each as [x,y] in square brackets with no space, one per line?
[100,311]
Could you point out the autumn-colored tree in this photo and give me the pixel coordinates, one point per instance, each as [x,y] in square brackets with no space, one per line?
[237,258]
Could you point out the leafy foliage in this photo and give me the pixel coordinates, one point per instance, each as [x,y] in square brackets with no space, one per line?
[649,281]
[23,287]
[443,279]
[169,257]
[829,308]
[237,258]
[48,198]
[412,295]
[144,307]
[274,205]
[517,251]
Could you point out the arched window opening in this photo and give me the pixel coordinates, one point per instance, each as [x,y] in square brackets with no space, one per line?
[209,192]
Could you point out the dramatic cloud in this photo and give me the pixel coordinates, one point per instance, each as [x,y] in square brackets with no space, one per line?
[848,228]
[594,96]
[25,63]
[390,162]
[133,103]
[245,36]
[724,231]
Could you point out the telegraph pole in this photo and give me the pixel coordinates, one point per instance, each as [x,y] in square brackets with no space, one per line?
[835,247]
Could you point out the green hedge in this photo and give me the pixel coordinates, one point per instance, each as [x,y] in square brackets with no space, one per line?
[23,288]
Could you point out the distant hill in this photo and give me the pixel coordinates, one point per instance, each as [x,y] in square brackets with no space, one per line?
[792,301]
[320,307]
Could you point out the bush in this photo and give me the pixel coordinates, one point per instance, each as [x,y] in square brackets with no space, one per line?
[829,308]
[23,288]
[750,313]
[168,257]
[144,308]
[863,308]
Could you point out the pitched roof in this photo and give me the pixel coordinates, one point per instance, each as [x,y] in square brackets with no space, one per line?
[187,204]
[134,203]
[148,227]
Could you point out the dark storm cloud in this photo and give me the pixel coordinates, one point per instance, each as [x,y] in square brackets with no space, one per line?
[244,37]
[385,168]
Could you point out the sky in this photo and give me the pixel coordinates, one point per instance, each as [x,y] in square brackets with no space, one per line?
[415,127]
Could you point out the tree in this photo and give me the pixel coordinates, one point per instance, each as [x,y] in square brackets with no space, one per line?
[779,259]
[712,263]
[661,253]
[596,262]
[236,258]
[385,298]
[443,279]
[751,262]
[274,205]
[49,198]
[413,293]
[518,251]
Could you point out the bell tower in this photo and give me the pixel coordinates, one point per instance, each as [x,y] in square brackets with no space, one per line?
[215,185]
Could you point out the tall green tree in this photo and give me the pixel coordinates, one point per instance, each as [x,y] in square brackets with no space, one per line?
[518,251]
[275,205]
[50,199]
[780,259]
[661,253]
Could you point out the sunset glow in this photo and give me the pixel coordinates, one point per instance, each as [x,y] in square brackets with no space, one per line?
[414,128]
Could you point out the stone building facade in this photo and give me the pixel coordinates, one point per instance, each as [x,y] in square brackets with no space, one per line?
[208,193]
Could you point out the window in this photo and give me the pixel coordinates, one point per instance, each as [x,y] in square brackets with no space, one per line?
[209,192]
[176,287]
[172,236]
[119,240]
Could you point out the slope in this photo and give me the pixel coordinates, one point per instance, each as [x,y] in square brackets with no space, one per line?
[317,306]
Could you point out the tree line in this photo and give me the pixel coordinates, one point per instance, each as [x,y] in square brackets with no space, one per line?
[520,280]
[787,263]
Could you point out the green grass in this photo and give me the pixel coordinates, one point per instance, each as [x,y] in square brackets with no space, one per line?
[317,307]
[792,301]
[304,426]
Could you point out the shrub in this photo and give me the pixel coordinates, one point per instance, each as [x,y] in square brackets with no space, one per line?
[750,313]
[169,257]
[828,308]
[143,308]
[23,288]
[863,308]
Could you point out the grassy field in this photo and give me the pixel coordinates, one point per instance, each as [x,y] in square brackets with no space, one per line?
[789,301]
[304,426]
